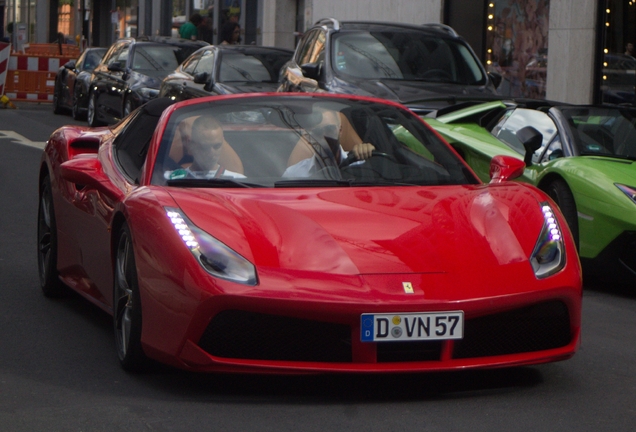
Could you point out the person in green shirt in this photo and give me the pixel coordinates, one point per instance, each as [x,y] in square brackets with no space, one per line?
[189,29]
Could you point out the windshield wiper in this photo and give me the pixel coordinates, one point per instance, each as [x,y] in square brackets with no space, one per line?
[211,182]
[335,183]
[312,183]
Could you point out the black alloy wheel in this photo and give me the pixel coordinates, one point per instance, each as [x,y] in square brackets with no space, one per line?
[127,306]
[50,282]
[75,110]
[57,109]
[560,192]
[91,115]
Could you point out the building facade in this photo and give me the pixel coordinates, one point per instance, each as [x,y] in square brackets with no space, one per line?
[574,51]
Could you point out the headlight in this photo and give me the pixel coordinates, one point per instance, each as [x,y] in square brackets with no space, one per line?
[148,93]
[215,257]
[548,256]
[627,190]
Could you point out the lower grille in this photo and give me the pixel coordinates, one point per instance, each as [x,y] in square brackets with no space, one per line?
[248,335]
[409,351]
[534,328]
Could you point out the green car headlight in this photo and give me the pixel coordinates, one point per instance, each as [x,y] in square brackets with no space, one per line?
[215,257]
[548,256]
[627,190]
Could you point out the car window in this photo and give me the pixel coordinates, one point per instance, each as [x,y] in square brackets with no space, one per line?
[603,130]
[292,141]
[113,52]
[554,150]
[92,59]
[206,63]
[191,63]
[308,48]
[155,58]
[405,55]
[513,120]
[257,67]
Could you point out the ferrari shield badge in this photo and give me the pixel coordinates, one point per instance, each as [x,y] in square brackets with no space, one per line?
[408,287]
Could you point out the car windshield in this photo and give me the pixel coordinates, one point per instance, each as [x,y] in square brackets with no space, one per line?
[405,55]
[601,131]
[159,58]
[302,141]
[257,67]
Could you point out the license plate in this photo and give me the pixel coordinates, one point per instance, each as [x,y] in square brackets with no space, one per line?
[393,327]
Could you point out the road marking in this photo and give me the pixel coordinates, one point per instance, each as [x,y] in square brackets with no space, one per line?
[19,139]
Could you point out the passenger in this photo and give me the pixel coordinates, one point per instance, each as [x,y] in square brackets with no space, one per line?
[329,129]
[204,145]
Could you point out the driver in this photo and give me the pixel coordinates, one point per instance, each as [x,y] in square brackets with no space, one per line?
[330,129]
[204,146]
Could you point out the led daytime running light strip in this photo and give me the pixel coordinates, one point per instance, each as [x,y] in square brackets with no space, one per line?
[182,228]
[553,226]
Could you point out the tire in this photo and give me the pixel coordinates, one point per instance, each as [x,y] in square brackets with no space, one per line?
[127,306]
[91,115]
[75,110]
[560,192]
[50,282]
[57,109]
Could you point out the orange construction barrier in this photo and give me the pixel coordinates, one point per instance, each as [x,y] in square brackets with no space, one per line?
[52,50]
[32,77]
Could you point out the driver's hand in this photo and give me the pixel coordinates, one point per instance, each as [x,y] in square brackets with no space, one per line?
[363,151]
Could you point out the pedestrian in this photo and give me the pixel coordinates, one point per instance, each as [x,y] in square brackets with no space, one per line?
[231,33]
[204,30]
[189,29]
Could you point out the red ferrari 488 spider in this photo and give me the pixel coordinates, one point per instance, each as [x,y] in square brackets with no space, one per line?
[289,233]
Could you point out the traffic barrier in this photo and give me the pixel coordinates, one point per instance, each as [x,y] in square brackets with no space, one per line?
[72,51]
[32,78]
[5,50]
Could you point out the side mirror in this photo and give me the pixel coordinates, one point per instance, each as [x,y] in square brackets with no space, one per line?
[495,78]
[531,140]
[312,70]
[201,78]
[69,65]
[504,168]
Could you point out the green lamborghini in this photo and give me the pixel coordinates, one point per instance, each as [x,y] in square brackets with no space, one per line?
[584,157]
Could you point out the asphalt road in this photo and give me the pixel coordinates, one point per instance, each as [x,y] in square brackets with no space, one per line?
[59,370]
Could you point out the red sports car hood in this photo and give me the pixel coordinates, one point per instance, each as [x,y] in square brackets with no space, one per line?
[371,230]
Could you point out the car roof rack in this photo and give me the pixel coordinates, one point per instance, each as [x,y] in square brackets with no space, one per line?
[328,21]
[442,27]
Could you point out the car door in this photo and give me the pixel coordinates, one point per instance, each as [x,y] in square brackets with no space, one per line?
[203,76]
[107,79]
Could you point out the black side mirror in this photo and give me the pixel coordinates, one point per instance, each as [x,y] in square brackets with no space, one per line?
[495,78]
[201,78]
[531,140]
[69,65]
[312,70]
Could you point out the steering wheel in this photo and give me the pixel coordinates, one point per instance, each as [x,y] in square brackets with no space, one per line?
[437,73]
[351,158]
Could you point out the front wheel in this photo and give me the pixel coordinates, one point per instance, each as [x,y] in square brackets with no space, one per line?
[50,282]
[92,111]
[127,306]
[76,100]
[560,192]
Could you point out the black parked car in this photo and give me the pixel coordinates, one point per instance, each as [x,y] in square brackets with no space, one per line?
[425,67]
[226,69]
[72,81]
[130,74]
